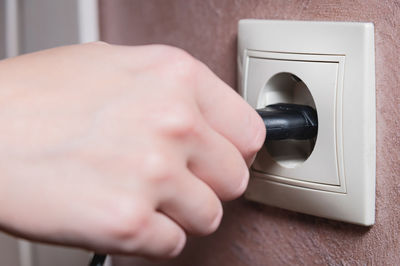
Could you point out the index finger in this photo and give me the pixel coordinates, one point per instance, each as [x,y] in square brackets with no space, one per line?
[229,114]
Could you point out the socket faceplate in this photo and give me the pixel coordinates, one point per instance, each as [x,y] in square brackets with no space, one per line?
[335,61]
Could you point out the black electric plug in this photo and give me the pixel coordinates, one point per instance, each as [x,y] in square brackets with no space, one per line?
[289,121]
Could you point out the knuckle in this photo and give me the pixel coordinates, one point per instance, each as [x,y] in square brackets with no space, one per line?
[176,54]
[180,65]
[102,43]
[129,220]
[157,167]
[166,50]
[99,44]
[181,122]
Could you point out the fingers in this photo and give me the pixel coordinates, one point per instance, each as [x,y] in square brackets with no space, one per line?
[185,203]
[218,163]
[160,237]
[154,55]
[228,114]
[193,205]
[224,110]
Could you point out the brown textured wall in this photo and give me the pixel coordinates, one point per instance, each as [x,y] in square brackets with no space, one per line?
[253,234]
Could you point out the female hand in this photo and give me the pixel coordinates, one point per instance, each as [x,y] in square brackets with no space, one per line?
[119,149]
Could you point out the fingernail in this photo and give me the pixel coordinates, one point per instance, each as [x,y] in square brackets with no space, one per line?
[259,137]
[252,160]
[179,247]
[243,184]
[217,220]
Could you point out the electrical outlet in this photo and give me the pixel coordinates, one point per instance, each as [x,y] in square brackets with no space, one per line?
[329,66]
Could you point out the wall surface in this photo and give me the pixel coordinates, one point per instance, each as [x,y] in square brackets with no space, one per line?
[253,234]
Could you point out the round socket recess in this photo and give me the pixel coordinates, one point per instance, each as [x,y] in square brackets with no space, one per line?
[271,79]
[287,88]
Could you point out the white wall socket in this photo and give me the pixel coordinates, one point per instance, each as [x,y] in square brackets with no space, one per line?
[330,66]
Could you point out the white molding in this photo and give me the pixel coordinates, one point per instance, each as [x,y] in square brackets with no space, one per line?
[25,253]
[12,48]
[27,24]
[86,14]
[88,20]
[12,18]
[108,261]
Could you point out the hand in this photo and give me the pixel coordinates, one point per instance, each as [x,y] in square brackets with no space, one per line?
[119,149]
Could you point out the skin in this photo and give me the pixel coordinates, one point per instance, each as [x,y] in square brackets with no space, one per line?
[120,150]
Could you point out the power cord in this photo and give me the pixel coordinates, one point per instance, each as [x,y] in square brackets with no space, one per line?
[98,260]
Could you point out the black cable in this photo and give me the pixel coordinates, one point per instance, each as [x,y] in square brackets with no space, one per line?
[98,260]
[289,121]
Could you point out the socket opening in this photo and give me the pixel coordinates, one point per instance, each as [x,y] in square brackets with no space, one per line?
[287,88]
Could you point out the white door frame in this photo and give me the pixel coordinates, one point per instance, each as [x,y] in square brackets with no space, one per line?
[86,14]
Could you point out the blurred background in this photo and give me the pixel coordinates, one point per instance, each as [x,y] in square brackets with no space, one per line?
[31,25]
[28,26]
[250,234]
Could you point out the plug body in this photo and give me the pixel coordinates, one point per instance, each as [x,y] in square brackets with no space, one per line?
[289,121]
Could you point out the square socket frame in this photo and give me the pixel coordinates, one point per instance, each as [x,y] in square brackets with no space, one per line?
[351,45]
